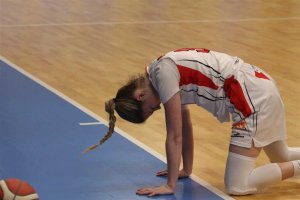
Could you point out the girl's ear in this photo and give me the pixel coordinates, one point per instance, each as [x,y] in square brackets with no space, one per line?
[139,95]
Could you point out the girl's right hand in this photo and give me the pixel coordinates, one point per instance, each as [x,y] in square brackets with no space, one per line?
[182,174]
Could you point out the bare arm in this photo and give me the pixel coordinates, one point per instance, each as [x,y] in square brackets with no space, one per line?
[187,146]
[173,148]
[188,141]
[174,138]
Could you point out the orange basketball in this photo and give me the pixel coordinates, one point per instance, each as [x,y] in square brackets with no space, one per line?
[16,189]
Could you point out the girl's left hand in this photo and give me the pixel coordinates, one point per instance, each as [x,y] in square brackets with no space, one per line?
[153,191]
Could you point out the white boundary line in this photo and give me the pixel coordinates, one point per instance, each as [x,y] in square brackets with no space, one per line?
[151,22]
[121,132]
[89,123]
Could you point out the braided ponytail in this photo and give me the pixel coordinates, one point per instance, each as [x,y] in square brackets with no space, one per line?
[125,105]
[109,108]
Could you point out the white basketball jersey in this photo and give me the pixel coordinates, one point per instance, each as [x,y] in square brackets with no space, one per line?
[223,84]
[199,75]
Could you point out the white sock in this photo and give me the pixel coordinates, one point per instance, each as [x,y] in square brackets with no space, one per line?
[296,164]
[294,153]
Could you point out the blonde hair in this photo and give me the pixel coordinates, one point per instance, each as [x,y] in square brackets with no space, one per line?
[126,106]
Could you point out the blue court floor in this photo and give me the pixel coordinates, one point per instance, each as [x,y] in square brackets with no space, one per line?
[41,141]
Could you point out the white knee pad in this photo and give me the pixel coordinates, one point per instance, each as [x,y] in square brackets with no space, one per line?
[237,172]
[241,178]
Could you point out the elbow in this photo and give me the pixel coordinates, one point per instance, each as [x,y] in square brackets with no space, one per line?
[176,140]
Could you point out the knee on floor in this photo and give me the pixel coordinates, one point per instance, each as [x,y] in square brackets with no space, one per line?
[239,190]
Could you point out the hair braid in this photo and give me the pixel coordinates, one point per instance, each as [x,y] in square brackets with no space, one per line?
[109,108]
[127,107]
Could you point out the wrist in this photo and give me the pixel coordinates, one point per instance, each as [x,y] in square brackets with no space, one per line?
[187,172]
[171,186]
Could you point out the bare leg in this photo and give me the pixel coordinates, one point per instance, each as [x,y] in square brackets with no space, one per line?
[252,152]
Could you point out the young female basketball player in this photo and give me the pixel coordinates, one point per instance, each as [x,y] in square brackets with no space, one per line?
[223,85]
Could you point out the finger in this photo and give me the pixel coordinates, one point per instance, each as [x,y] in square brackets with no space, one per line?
[151,194]
[162,173]
[143,191]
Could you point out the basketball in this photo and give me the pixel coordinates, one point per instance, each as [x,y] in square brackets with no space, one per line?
[16,189]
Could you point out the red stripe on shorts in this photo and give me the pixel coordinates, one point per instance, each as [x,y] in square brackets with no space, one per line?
[192,76]
[236,96]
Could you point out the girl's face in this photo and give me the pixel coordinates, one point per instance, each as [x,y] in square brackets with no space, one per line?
[150,101]
[150,104]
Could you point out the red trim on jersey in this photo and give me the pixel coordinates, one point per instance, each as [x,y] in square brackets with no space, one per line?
[236,96]
[261,75]
[201,50]
[192,76]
